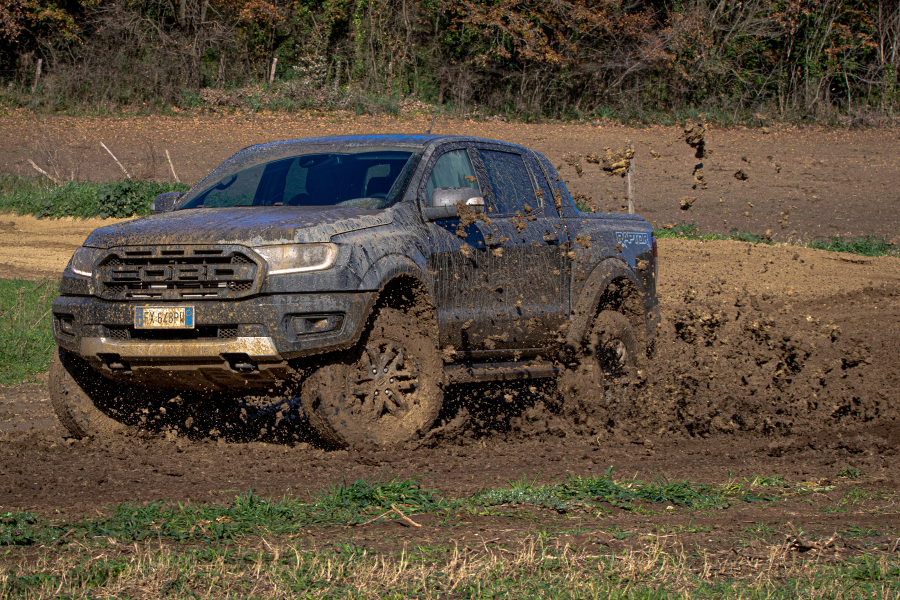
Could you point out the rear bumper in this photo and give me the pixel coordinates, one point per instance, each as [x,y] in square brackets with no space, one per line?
[241,344]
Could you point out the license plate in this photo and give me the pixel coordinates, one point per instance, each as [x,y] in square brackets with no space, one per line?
[164,317]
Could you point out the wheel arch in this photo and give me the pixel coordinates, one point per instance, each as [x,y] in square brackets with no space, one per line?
[612,285]
[402,285]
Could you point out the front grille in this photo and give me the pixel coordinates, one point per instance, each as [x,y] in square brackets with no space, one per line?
[124,333]
[177,273]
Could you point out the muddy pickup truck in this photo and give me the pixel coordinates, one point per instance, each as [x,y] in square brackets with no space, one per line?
[362,274]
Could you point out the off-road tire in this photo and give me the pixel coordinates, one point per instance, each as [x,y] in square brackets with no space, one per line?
[602,372]
[73,387]
[383,394]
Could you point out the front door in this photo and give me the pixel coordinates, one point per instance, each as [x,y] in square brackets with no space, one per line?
[500,281]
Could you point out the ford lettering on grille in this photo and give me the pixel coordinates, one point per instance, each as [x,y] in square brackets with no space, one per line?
[176,273]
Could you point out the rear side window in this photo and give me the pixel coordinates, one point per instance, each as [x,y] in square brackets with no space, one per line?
[453,169]
[510,181]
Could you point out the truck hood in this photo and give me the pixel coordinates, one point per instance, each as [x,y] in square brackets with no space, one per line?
[249,226]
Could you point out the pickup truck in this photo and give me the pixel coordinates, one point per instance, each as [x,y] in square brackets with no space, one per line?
[362,274]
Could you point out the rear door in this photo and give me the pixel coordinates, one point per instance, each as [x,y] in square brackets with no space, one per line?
[531,254]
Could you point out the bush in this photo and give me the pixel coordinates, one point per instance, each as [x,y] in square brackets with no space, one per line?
[117,199]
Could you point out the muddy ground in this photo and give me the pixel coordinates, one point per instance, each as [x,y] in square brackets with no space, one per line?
[770,360]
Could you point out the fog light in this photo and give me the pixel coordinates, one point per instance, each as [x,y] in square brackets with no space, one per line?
[66,324]
[312,324]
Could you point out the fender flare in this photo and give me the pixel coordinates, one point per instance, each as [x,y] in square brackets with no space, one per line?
[390,267]
[585,306]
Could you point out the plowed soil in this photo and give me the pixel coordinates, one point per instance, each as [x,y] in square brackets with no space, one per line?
[769,360]
[799,183]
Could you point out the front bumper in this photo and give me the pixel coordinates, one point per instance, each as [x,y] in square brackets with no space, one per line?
[243,344]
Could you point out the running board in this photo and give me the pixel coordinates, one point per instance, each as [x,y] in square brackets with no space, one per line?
[497,371]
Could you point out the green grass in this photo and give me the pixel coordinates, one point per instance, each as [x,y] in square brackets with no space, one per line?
[40,197]
[588,491]
[358,502]
[247,514]
[850,473]
[864,246]
[26,338]
[254,547]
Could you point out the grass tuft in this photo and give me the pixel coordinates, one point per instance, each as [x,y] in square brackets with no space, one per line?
[850,473]
[864,246]
[26,338]
[588,491]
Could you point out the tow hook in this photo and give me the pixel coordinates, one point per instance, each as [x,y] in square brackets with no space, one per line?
[241,362]
[114,362]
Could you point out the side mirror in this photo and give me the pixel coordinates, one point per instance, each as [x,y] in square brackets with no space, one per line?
[445,202]
[165,202]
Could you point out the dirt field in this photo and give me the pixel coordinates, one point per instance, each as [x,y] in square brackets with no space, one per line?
[33,248]
[770,360]
[800,183]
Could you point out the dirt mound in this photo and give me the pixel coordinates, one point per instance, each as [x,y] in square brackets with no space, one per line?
[735,361]
[780,342]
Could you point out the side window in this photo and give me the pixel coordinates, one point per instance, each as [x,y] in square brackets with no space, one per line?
[453,169]
[544,197]
[561,196]
[510,181]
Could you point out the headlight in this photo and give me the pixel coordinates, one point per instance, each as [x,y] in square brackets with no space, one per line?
[82,262]
[298,258]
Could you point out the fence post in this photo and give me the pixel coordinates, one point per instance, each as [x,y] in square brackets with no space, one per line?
[272,74]
[629,182]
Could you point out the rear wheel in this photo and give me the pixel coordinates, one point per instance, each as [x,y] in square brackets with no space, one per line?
[387,392]
[75,391]
[601,373]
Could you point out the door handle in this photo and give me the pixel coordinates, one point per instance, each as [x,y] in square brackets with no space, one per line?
[551,238]
[492,240]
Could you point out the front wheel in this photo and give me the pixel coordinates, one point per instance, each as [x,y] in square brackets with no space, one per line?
[75,391]
[387,392]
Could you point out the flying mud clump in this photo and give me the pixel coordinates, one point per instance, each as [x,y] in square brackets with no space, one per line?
[614,162]
[695,136]
[573,159]
[687,202]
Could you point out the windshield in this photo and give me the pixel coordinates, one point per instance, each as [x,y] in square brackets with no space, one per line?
[356,178]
